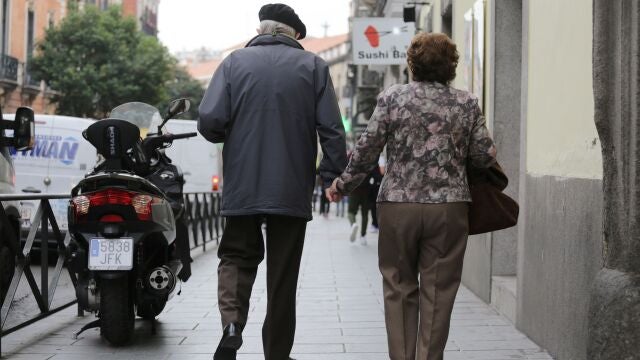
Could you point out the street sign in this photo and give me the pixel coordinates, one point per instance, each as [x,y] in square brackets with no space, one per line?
[381,41]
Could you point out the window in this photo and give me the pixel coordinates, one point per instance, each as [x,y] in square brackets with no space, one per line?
[30,33]
[52,19]
[29,80]
[4,30]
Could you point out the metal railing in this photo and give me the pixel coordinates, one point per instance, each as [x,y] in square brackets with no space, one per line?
[202,211]
[202,215]
[8,68]
[44,220]
[29,79]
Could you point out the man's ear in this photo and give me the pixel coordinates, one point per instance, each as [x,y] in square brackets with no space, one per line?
[258,31]
[297,36]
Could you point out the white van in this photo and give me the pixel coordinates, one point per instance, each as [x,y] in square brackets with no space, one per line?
[60,158]
[199,159]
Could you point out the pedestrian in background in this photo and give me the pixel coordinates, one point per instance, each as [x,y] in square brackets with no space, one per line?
[431,132]
[376,180]
[268,103]
[359,201]
[325,204]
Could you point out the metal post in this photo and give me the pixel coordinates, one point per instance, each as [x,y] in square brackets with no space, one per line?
[205,212]
[44,258]
[216,211]
[212,213]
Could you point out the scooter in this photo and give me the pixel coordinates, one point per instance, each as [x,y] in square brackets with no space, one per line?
[123,225]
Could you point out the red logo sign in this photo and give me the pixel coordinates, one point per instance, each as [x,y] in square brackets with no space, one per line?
[373,36]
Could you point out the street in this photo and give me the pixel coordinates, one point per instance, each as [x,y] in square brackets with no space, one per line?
[24,306]
[340,315]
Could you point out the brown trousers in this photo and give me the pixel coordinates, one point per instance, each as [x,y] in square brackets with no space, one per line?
[421,249]
[241,251]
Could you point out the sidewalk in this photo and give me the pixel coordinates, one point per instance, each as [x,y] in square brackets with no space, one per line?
[340,316]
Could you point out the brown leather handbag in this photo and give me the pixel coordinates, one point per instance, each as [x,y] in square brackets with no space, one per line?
[491,209]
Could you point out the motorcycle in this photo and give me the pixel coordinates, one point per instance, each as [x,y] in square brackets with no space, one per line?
[122,219]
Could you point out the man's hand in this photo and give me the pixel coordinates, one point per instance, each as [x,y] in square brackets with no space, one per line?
[332,192]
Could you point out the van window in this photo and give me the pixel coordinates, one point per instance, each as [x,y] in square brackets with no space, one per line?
[4,149]
[5,153]
[5,163]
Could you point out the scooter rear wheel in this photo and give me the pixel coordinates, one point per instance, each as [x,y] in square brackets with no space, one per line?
[116,311]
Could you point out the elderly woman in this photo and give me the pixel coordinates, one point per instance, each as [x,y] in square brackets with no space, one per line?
[431,132]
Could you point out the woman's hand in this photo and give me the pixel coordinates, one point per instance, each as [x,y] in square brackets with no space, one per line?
[332,192]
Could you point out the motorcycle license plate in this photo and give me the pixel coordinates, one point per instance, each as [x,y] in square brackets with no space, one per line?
[111,254]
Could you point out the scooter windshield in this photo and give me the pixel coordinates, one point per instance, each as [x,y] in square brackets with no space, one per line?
[144,116]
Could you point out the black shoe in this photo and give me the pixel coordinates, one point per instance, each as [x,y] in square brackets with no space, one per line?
[224,354]
[229,344]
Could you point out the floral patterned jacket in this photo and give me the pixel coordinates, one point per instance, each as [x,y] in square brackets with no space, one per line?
[431,131]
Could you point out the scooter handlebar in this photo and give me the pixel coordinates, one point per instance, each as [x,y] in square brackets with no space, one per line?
[172,137]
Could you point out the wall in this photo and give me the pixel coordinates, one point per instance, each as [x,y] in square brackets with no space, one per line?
[338,73]
[504,64]
[559,249]
[560,256]
[460,7]
[539,107]
[476,273]
[560,100]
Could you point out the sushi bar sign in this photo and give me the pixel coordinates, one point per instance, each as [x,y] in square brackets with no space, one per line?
[381,41]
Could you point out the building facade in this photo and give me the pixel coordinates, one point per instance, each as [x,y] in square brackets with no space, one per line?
[202,63]
[144,11]
[533,70]
[23,23]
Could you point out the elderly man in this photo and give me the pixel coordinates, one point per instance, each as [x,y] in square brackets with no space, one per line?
[268,103]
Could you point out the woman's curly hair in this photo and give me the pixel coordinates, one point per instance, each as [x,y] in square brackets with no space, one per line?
[433,57]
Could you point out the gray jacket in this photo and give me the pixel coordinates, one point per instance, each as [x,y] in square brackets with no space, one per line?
[268,103]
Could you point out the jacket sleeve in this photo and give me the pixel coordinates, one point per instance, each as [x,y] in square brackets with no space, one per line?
[215,107]
[482,150]
[368,148]
[329,127]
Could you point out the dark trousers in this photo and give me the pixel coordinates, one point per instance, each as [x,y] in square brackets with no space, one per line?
[421,248]
[373,196]
[359,201]
[241,251]
[324,204]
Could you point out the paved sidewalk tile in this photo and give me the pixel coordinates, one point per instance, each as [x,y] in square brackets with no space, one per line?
[340,316]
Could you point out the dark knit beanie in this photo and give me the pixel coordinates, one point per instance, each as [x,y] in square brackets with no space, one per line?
[284,14]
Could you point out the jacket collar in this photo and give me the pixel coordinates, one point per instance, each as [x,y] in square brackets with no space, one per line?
[267,39]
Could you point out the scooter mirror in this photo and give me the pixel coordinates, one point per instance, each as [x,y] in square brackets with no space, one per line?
[176,107]
[179,106]
[24,129]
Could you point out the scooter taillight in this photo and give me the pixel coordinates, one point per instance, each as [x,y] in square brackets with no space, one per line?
[81,205]
[141,203]
[111,218]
